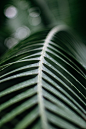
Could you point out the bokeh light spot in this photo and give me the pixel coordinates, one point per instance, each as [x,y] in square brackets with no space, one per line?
[10,42]
[34,16]
[22,32]
[34,12]
[10,12]
[35,21]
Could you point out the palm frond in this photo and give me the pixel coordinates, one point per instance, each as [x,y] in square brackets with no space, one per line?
[43,83]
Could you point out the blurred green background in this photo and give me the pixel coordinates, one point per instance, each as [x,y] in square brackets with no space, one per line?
[20,18]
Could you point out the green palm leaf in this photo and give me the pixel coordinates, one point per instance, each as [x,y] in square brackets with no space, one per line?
[42,82]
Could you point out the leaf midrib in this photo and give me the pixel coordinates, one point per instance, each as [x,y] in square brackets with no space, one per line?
[40,94]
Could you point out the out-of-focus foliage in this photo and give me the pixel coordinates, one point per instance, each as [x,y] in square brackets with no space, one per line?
[32,15]
[18,19]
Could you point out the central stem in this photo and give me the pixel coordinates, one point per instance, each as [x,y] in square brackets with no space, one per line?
[40,95]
